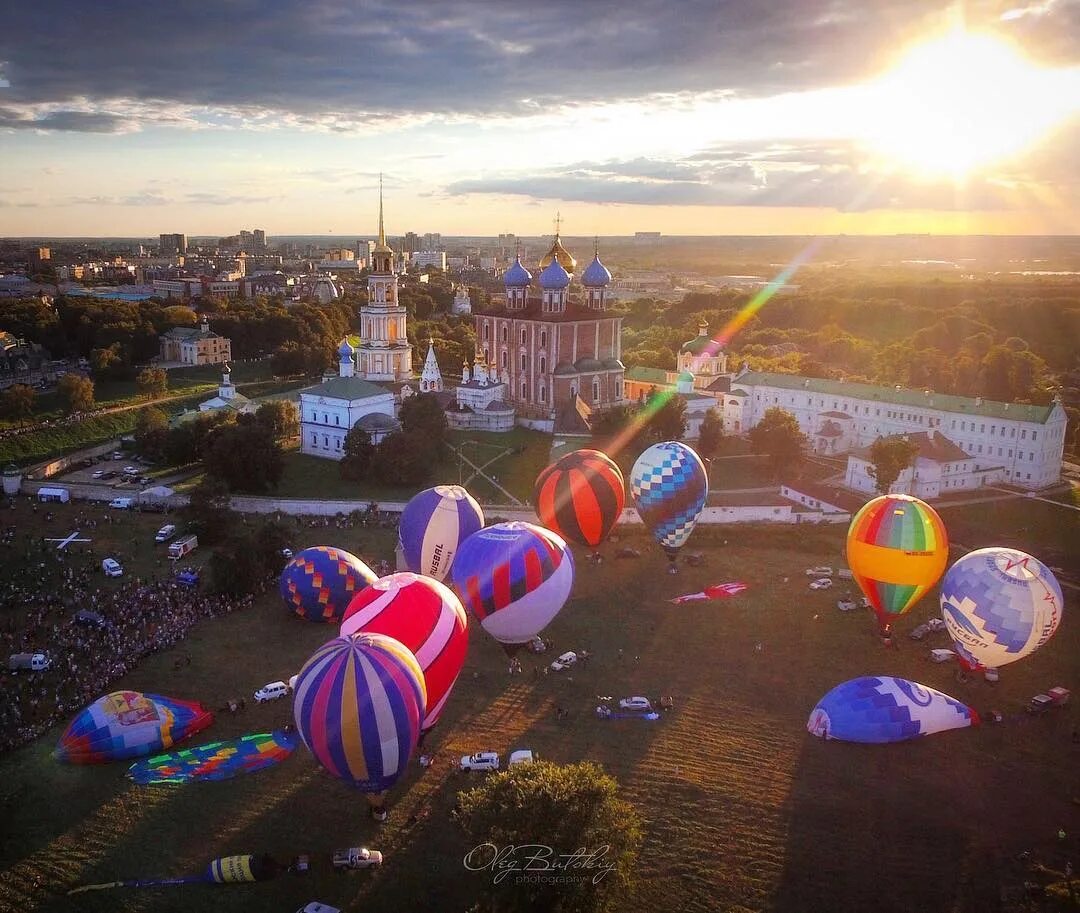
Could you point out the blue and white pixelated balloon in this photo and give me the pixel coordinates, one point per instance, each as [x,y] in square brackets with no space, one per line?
[880,709]
[999,605]
[433,526]
[669,485]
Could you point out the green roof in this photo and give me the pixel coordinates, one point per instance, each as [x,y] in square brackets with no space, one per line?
[1019,412]
[347,388]
[647,375]
[697,345]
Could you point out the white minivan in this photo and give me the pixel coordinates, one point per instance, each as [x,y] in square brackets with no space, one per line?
[112,568]
[122,503]
[165,533]
[271,692]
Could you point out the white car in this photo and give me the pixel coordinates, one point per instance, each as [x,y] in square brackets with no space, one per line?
[846,605]
[820,571]
[131,470]
[357,857]
[482,760]
[112,568]
[822,583]
[564,662]
[635,703]
[521,756]
[271,692]
[165,533]
[936,624]
[122,503]
[942,656]
[97,473]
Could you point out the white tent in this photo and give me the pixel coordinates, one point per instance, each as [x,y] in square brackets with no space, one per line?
[156,495]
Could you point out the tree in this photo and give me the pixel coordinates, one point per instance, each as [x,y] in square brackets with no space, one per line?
[890,456]
[208,512]
[403,458]
[560,809]
[422,416]
[108,362]
[777,435]
[288,360]
[152,382]
[152,433]
[76,393]
[280,417]
[359,454]
[245,456]
[711,434]
[17,402]
[668,420]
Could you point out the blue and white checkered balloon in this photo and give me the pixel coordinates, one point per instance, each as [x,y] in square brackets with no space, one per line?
[669,485]
[999,605]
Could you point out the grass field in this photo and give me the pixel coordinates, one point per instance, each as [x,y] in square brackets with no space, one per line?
[743,810]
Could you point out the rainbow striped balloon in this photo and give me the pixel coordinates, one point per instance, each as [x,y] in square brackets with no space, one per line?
[358,705]
[897,549]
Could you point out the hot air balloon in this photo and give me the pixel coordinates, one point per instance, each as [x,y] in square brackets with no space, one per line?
[426,617]
[882,709]
[669,486]
[580,496]
[129,724]
[999,605]
[358,705]
[897,549]
[434,524]
[514,577]
[319,583]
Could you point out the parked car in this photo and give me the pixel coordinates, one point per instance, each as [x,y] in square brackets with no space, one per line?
[97,473]
[112,568]
[564,662]
[122,503]
[482,760]
[131,470]
[357,857]
[165,533]
[942,656]
[521,756]
[936,624]
[117,455]
[847,605]
[536,645]
[91,618]
[822,570]
[271,692]
[188,577]
[822,583]
[918,633]
[635,703]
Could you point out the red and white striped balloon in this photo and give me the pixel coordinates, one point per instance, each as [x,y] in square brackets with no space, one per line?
[426,617]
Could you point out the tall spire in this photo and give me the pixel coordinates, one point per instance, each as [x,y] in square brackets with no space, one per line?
[382,230]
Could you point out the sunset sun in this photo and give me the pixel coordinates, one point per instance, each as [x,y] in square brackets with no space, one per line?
[961,102]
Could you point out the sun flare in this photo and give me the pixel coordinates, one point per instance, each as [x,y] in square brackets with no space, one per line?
[963,101]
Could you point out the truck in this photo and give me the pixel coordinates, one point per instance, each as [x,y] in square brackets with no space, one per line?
[357,857]
[1054,697]
[182,547]
[28,662]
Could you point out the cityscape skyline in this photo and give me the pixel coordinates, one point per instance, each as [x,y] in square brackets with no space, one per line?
[817,118]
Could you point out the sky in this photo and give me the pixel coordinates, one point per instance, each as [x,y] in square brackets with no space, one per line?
[680,116]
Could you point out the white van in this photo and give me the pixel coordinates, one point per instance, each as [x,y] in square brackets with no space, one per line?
[112,568]
[271,692]
[165,533]
[122,503]
[28,662]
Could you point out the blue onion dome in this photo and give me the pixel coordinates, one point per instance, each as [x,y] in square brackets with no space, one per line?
[554,276]
[345,350]
[596,274]
[517,276]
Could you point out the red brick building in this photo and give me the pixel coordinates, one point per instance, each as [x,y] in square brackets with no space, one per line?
[549,345]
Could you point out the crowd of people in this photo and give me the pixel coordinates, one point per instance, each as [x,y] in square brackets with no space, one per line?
[38,615]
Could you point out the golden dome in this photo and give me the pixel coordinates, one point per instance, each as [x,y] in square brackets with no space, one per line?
[560,253]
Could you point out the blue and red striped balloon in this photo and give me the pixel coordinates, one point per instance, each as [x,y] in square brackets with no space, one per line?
[358,705]
[515,578]
[433,525]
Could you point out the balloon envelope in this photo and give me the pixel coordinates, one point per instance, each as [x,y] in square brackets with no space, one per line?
[319,582]
[129,724]
[358,705]
[878,709]
[999,605]
[897,550]
[514,577]
[581,496]
[216,761]
[669,486]
[434,524]
[426,617]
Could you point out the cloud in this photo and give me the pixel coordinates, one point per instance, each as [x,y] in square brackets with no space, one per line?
[338,65]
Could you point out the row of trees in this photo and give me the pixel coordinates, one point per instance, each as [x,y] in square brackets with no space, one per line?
[406,457]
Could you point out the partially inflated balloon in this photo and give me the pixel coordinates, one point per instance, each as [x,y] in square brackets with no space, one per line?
[880,709]
[426,617]
[129,724]
[434,524]
[669,486]
[319,583]
[999,605]
[358,705]
[897,549]
[514,577]
[580,496]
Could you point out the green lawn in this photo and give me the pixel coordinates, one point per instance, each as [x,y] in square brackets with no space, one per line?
[742,809]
